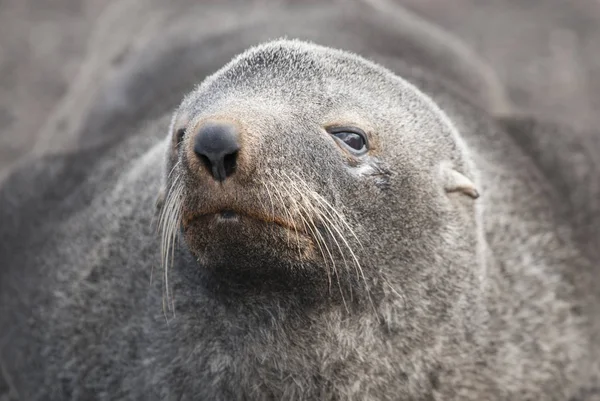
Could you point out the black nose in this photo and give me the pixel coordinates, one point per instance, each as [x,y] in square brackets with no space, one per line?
[217,146]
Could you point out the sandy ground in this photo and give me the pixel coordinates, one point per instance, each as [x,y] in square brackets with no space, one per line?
[547,52]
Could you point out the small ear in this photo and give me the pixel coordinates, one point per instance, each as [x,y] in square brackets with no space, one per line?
[457,182]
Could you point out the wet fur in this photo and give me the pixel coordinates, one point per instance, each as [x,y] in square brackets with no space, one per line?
[459,298]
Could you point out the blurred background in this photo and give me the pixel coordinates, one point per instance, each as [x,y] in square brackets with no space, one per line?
[546,52]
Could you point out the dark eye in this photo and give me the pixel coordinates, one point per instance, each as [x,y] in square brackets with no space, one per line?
[179,135]
[354,139]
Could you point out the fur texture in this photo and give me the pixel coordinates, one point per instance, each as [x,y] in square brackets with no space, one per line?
[404,286]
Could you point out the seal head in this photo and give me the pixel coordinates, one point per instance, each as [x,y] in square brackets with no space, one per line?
[297,168]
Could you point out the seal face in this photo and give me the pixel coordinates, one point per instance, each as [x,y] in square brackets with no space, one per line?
[282,172]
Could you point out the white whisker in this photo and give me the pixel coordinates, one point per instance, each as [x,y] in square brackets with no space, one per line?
[169,221]
[335,224]
[293,221]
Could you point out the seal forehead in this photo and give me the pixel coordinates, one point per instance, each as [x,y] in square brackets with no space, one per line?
[290,70]
[284,73]
[283,62]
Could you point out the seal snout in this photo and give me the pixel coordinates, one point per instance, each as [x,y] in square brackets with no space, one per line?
[216,145]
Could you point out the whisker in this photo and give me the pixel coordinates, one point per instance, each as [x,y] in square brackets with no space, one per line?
[175,166]
[294,201]
[399,295]
[357,264]
[285,208]
[320,238]
[335,211]
[270,200]
[161,215]
[169,221]
[309,224]
[337,222]
[334,267]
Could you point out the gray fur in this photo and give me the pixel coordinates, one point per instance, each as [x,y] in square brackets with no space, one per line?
[491,298]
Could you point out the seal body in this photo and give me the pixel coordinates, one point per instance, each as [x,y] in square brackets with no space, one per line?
[326,228]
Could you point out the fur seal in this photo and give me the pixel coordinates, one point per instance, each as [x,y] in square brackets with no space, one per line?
[328,230]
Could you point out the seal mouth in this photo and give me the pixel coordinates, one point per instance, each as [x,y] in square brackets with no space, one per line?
[226,216]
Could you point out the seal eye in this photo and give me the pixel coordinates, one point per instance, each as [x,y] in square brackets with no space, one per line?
[354,139]
[179,135]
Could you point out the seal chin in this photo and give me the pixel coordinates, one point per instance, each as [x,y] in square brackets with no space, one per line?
[252,253]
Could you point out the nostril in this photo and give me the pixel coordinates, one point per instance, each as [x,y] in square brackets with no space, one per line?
[230,163]
[206,161]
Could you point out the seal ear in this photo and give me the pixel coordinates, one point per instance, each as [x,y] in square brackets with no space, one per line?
[457,182]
